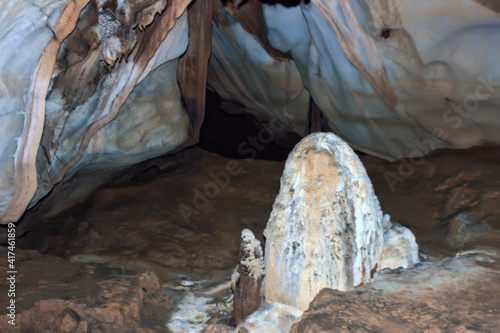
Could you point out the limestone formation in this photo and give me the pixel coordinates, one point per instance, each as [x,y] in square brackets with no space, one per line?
[62,95]
[326,229]
[400,247]
[246,281]
[270,318]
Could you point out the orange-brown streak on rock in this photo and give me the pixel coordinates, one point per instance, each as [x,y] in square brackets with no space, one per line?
[144,51]
[193,66]
[26,178]
[251,17]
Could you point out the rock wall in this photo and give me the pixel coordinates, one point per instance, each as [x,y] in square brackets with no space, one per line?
[28,29]
[94,90]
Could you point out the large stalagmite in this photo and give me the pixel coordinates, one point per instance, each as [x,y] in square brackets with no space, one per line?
[326,229]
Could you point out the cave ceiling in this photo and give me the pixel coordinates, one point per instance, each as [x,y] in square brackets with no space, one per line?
[91,87]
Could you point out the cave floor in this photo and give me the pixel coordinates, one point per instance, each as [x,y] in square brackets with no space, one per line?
[184,223]
[188,220]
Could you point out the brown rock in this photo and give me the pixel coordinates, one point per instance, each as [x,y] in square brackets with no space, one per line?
[460,198]
[70,320]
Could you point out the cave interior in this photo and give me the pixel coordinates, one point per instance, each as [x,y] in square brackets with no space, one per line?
[140,140]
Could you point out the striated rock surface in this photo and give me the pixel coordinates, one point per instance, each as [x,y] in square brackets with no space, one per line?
[326,229]
[84,65]
[248,78]
[28,29]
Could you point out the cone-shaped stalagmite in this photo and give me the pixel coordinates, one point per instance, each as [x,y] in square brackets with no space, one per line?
[326,229]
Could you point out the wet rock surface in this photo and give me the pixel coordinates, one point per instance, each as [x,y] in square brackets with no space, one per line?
[270,318]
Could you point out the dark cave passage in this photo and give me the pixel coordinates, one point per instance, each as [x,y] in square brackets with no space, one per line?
[237,136]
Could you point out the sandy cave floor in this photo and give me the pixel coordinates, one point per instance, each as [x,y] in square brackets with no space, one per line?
[450,202]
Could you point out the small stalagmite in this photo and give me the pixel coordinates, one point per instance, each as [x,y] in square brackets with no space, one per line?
[246,281]
[326,229]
